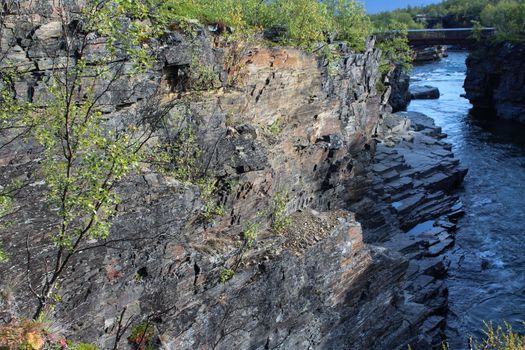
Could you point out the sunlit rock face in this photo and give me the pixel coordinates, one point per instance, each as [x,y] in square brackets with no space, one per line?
[273,121]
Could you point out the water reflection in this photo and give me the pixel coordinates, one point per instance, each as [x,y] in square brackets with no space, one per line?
[487,276]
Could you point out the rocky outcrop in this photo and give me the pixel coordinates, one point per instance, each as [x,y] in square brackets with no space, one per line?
[412,210]
[271,123]
[429,54]
[496,80]
[424,92]
[399,81]
[284,127]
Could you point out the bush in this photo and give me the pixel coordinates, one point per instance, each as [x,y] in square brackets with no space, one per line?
[142,335]
[280,220]
[508,17]
[351,24]
[301,22]
[500,339]
[226,275]
[395,48]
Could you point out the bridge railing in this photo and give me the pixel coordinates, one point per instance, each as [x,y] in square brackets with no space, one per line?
[442,36]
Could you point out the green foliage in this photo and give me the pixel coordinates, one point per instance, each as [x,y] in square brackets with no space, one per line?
[84,154]
[208,189]
[3,256]
[202,77]
[83,160]
[388,19]
[177,156]
[350,22]
[508,17]
[280,220]
[476,30]
[331,54]
[302,22]
[275,127]
[250,234]
[498,338]
[126,25]
[6,203]
[226,275]
[395,49]
[84,346]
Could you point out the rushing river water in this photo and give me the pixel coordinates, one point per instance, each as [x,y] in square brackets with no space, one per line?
[487,275]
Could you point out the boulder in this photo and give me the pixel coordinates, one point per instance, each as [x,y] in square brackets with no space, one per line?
[424,92]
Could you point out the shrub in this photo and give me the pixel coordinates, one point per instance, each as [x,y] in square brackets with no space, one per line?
[508,17]
[142,335]
[301,22]
[250,234]
[395,48]
[33,335]
[497,338]
[226,275]
[350,22]
[280,220]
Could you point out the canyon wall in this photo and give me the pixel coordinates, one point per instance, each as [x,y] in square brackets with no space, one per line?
[496,80]
[277,124]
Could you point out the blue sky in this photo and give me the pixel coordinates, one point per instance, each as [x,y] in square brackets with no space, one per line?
[374,6]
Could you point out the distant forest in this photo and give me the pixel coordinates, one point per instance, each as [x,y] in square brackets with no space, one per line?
[507,16]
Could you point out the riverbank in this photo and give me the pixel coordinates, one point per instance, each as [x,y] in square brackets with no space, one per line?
[486,277]
[413,210]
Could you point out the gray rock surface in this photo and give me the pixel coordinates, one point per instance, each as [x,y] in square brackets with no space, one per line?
[413,210]
[322,283]
[424,92]
[496,80]
[399,82]
[429,54]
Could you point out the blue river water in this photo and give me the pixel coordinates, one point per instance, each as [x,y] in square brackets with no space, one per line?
[487,276]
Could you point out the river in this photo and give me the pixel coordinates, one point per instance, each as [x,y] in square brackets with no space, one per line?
[487,276]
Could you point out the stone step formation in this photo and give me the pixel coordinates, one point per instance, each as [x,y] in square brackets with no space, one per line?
[413,209]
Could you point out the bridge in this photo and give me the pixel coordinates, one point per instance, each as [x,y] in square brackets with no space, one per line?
[449,36]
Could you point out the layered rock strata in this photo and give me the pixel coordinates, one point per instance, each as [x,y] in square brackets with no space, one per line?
[496,80]
[270,123]
[413,210]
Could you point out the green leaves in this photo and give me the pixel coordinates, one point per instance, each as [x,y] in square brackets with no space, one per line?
[3,256]
[280,219]
[508,17]
[350,22]
[395,48]
[226,275]
[304,22]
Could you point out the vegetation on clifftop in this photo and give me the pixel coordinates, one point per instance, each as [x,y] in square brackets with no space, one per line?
[290,22]
[507,16]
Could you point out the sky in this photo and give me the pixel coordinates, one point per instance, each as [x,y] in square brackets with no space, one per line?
[374,6]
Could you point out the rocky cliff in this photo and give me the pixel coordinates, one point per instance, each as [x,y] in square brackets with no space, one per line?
[496,80]
[288,135]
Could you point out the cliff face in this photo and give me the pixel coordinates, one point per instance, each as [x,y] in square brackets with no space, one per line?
[273,125]
[286,127]
[496,80]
